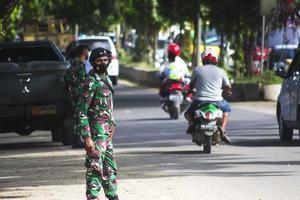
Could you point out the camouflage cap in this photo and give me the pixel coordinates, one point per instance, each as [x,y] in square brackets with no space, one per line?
[99,52]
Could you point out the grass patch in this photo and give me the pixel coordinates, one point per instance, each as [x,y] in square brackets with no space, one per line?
[126,59]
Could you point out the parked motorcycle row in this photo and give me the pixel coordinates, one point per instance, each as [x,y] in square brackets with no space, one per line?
[207,119]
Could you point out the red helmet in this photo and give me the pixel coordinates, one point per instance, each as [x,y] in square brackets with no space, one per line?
[174,49]
[209,56]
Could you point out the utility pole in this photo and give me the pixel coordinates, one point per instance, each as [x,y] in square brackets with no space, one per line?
[262,52]
[265,8]
[198,57]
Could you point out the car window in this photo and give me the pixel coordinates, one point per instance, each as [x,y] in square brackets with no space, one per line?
[282,54]
[295,65]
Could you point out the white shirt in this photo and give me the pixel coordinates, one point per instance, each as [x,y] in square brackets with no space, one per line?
[178,68]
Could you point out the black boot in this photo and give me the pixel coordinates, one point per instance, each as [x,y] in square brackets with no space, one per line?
[78,142]
[224,136]
[191,128]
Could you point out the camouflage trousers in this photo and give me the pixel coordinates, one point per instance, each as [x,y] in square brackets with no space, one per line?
[76,119]
[101,171]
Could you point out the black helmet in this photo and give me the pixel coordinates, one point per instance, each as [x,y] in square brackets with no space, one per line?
[99,52]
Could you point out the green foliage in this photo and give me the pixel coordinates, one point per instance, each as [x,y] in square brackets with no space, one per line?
[142,15]
[2,34]
[12,27]
[178,11]
[267,78]
[128,60]
[6,8]
[239,21]
[92,16]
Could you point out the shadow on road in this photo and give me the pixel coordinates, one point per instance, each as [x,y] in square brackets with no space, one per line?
[266,143]
[151,119]
[29,145]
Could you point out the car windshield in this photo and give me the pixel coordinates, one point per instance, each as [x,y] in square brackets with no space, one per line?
[96,43]
[24,54]
[281,54]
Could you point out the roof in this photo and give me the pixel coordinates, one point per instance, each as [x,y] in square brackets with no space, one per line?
[91,37]
[42,42]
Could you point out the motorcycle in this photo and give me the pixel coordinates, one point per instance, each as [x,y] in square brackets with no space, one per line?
[207,123]
[177,99]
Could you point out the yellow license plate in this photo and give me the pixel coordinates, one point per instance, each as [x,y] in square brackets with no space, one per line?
[43,110]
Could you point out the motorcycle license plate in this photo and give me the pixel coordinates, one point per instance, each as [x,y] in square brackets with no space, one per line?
[209,128]
[175,98]
[43,110]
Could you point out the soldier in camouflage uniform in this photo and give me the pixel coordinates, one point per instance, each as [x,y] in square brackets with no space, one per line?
[97,127]
[75,78]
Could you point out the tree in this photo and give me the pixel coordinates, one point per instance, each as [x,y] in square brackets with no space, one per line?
[286,10]
[92,16]
[7,7]
[239,21]
[178,12]
[142,15]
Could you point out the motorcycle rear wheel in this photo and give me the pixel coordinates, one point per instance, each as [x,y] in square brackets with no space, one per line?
[207,144]
[174,113]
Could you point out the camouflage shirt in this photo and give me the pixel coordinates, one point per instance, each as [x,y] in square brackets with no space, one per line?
[75,78]
[96,106]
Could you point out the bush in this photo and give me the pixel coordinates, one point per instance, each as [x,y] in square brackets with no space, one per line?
[127,59]
[267,78]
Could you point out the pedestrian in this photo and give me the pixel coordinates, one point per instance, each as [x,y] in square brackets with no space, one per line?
[75,78]
[97,127]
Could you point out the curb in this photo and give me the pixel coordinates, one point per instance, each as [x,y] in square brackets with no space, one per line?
[147,78]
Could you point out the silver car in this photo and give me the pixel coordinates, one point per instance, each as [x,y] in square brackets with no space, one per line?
[288,103]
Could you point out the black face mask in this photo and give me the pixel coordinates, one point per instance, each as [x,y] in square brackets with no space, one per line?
[102,68]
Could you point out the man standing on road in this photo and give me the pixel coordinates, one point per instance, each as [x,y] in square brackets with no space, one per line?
[75,78]
[210,81]
[97,127]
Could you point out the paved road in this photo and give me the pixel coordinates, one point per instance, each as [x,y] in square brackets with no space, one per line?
[157,160]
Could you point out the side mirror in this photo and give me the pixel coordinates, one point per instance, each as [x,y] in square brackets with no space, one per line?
[280,71]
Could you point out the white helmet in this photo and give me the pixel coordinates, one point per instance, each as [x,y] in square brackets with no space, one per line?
[209,56]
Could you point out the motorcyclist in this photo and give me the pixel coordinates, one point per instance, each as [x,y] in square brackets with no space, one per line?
[210,81]
[174,69]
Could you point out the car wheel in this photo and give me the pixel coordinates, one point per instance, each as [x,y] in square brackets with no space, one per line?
[24,132]
[207,144]
[56,134]
[67,133]
[114,80]
[285,133]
